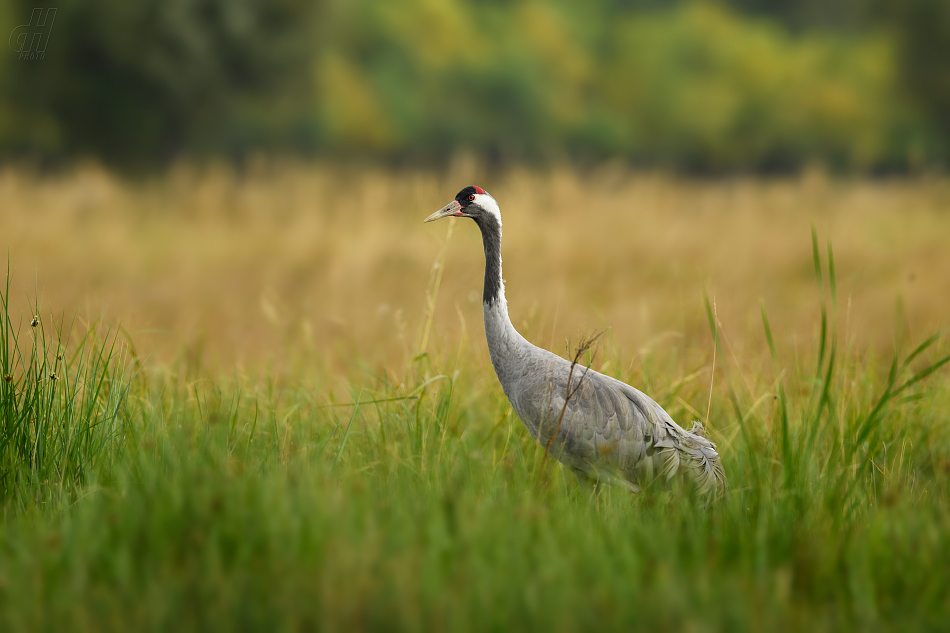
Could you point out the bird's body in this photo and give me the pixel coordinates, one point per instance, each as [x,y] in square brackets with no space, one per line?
[607,430]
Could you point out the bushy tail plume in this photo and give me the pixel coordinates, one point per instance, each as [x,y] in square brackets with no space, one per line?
[691,451]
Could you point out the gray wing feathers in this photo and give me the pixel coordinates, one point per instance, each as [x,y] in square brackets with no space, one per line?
[610,430]
[680,450]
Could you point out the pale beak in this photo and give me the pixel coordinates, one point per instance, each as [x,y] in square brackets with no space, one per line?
[453,208]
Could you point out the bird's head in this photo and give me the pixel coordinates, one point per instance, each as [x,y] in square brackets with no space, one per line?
[471,202]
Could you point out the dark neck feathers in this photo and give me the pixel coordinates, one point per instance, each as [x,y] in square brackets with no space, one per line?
[491,238]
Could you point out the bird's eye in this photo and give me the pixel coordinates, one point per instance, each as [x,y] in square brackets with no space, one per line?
[471,197]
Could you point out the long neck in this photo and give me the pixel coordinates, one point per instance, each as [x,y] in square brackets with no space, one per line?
[507,347]
[494,291]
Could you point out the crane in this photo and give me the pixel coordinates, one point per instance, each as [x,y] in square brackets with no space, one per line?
[602,429]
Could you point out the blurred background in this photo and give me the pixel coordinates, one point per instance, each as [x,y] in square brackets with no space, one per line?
[230,179]
[750,85]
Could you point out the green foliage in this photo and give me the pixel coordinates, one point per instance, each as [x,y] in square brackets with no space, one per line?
[704,88]
[136,82]
[923,34]
[690,85]
[418,501]
[695,87]
[808,14]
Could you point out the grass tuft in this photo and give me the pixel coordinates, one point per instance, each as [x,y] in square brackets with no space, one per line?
[62,401]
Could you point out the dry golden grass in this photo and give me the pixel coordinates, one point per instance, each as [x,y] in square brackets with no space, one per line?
[245,268]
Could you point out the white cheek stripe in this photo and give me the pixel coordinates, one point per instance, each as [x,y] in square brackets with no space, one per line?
[485,201]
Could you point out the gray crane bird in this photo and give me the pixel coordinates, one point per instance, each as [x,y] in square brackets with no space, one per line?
[602,429]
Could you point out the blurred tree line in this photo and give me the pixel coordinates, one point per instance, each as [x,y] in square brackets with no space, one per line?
[743,84]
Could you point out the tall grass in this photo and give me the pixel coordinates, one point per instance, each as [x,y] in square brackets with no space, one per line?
[830,444]
[418,501]
[61,400]
[313,445]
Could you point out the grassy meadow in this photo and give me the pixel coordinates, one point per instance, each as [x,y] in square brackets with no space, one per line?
[261,400]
